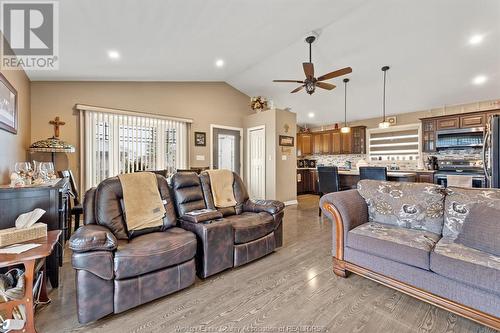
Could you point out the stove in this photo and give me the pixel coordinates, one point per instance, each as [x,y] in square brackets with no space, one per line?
[472,168]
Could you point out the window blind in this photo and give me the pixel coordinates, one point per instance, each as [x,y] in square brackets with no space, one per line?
[123,143]
[394,143]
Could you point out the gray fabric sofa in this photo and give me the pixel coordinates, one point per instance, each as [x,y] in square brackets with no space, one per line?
[405,236]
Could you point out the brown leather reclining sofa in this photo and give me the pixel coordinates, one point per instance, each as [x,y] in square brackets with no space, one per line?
[115,271]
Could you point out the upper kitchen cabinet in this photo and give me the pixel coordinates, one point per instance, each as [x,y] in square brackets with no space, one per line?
[304,144]
[475,120]
[428,135]
[332,142]
[358,140]
[451,122]
[465,120]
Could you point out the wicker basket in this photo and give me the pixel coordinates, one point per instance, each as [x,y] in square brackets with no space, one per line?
[13,235]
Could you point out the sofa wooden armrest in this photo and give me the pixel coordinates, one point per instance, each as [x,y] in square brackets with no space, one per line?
[346,210]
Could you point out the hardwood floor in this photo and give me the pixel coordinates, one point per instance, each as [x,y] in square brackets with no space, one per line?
[289,290]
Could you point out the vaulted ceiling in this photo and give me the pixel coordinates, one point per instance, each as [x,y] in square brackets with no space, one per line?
[425,42]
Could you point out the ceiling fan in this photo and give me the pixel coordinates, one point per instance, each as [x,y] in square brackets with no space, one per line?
[310,82]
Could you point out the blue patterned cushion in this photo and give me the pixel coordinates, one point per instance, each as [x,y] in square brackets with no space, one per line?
[410,205]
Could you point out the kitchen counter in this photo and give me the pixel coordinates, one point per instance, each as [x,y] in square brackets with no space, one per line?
[392,174]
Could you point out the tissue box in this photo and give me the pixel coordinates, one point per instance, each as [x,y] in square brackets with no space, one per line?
[13,235]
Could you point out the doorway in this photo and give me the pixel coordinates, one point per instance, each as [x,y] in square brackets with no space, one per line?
[226,143]
[256,165]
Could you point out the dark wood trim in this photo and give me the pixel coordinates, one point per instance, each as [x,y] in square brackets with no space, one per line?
[441,302]
[461,114]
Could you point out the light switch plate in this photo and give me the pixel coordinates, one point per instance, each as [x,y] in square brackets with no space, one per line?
[200,157]
[283,157]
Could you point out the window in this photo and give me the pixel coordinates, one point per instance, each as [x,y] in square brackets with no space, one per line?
[396,143]
[117,143]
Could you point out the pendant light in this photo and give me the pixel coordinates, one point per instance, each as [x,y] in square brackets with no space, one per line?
[345,128]
[384,123]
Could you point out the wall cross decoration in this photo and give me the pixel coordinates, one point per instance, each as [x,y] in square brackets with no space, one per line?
[56,123]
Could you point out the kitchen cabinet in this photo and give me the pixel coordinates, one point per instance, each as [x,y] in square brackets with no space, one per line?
[451,122]
[304,144]
[346,143]
[476,120]
[332,142]
[326,143]
[307,181]
[465,120]
[425,177]
[428,136]
[336,142]
[358,137]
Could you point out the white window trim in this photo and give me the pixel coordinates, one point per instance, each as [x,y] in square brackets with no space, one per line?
[82,108]
[417,126]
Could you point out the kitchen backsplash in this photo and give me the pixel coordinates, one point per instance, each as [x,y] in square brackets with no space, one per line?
[340,160]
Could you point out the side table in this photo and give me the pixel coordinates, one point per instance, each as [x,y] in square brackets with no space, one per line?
[28,259]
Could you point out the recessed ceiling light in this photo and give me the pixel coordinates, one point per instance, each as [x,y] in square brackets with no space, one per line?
[476,39]
[112,54]
[310,114]
[219,63]
[480,79]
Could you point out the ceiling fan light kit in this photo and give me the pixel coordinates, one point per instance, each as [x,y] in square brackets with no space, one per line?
[345,129]
[311,82]
[384,123]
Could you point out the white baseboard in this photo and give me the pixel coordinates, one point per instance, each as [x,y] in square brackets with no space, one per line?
[291,202]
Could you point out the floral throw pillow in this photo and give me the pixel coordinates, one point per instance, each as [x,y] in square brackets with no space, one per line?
[410,205]
[458,204]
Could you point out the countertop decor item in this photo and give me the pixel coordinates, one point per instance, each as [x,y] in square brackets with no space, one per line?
[345,128]
[8,106]
[53,145]
[384,123]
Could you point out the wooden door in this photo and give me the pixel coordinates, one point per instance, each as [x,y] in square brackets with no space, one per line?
[428,136]
[358,137]
[336,142]
[448,123]
[346,141]
[306,144]
[476,120]
[326,143]
[317,146]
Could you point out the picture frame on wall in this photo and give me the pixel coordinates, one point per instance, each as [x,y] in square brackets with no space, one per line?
[200,139]
[8,106]
[286,141]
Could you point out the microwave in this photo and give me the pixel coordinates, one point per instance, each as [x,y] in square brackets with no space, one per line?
[460,138]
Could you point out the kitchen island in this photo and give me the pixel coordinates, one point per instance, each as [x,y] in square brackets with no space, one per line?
[307,178]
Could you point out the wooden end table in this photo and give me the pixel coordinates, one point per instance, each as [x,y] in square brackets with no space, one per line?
[28,259]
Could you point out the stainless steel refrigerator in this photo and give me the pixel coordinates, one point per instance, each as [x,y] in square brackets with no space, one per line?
[491,152]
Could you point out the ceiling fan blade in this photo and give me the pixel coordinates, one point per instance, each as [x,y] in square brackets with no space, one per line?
[297,89]
[324,85]
[308,69]
[336,73]
[295,81]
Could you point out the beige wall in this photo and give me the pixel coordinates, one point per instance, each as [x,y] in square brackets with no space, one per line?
[13,146]
[281,183]
[414,117]
[205,102]
[286,175]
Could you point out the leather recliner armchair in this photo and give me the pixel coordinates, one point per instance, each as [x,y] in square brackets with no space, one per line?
[115,272]
[233,236]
